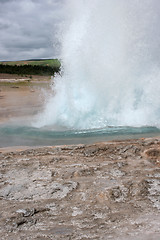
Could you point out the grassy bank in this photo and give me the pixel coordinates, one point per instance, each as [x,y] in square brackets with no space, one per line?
[39,62]
[40,67]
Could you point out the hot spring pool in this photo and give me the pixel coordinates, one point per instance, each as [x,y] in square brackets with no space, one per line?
[12,135]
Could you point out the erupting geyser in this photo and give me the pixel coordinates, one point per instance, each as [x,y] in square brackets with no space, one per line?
[111,61]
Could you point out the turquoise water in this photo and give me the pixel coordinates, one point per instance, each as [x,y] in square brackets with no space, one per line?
[28,136]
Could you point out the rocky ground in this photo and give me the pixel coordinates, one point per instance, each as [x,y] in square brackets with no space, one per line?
[99,191]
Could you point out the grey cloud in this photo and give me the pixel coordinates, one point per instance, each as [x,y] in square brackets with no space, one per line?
[5,1]
[3,26]
[28,28]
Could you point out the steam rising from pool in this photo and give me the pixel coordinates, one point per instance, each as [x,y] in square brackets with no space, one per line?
[111,66]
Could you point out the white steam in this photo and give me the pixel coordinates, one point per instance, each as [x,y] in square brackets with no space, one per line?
[111,62]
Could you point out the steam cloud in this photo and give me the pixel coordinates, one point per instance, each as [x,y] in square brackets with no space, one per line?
[111,57]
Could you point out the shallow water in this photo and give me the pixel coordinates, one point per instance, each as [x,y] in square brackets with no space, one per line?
[12,135]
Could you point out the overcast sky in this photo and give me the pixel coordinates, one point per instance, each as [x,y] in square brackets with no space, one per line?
[28,28]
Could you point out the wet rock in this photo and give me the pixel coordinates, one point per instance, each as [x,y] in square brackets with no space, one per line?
[90,151]
[153,152]
[117,173]
[27,212]
[90,171]
[119,194]
[20,222]
[122,164]
[60,191]
[154,192]
[14,87]
[149,142]
[81,192]
[125,149]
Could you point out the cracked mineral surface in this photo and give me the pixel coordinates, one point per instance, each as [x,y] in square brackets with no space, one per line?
[103,191]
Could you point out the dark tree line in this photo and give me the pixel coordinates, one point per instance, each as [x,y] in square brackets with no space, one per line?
[29,69]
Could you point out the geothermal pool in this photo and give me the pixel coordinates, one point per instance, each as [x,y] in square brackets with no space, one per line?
[12,135]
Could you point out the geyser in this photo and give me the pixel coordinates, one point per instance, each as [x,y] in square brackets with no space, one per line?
[111,66]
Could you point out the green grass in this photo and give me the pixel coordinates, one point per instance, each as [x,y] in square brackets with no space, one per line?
[46,62]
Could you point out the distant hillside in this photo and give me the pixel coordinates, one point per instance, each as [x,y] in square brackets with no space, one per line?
[41,62]
[31,67]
